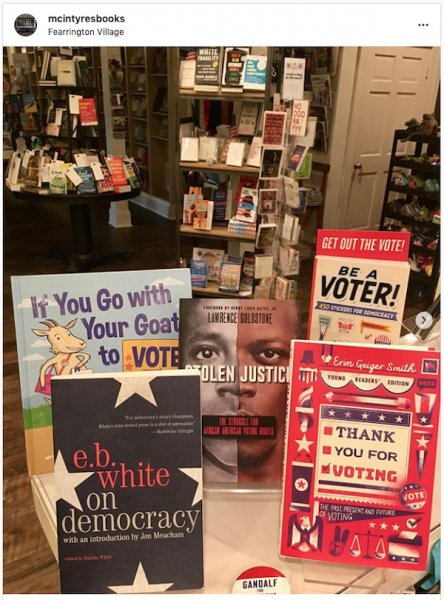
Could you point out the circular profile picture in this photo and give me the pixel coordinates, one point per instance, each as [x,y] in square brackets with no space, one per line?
[25,25]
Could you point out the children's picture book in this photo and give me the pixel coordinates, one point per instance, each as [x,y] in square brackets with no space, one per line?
[265,235]
[128,482]
[87,323]
[299,117]
[199,273]
[248,118]
[242,350]
[87,110]
[360,281]
[274,128]
[271,163]
[229,277]
[362,433]
[293,80]
[213,258]
[296,157]
[88,185]
[208,69]
[255,73]
[268,201]
[234,69]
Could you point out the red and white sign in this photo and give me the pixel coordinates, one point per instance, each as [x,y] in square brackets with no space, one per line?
[372,245]
[261,580]
[362,433]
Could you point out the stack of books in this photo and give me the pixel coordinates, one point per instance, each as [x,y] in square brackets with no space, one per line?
[241,227]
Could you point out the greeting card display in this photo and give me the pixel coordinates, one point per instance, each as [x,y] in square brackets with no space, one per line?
[360,283]
[362,430]
[89,323]
[274,128]
[128,482]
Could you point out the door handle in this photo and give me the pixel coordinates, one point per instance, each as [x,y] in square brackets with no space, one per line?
[357,165]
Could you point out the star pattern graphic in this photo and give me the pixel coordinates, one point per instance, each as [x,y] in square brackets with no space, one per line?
[67,482]
[395,527]
[383,525]
[382,417]
[140,585]
[331,413]
[304,444]
[135,385]
[422,442]
[399,419]
[128,357]
[364,415]
[372,525]
[423,419]
[195,474]
[128,367]
[301,484]
[348,414]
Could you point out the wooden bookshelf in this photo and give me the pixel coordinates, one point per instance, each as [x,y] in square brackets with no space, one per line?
[202,167]
[223,96]
[212,291]
[217,233]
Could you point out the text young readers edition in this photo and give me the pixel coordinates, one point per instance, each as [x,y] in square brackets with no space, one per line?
[361,439]
[128,482]
[242,350]
[90,323]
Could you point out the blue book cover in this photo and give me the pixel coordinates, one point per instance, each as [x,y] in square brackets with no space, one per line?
[199,273]
[90,323]
[88,185]
[255,75]
[132,445]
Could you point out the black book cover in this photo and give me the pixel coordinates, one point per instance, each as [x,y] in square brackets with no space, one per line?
[128,477]
[208,66]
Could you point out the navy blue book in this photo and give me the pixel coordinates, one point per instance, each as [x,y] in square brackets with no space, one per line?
[128,482]
[199,273]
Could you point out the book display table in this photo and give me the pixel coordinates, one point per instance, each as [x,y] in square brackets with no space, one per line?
[82,258]
[241,531]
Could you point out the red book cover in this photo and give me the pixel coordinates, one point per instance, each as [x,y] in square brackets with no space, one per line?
[115,166]
[87,110]
[361,439]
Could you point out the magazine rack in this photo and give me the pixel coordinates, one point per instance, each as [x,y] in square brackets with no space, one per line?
[82,258]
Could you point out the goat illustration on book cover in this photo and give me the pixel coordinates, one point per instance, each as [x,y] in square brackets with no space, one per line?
[362,433]
[89,323]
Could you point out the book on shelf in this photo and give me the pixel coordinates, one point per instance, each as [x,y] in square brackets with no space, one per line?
[159,66]
[189,149]
[262,291]
[137,56]
[57,181]
[360,281]
[133,180]
[161,100]
[28,121]
[208,69]
[220,198]
[213,258]
[33,177]
[255,73]
[117,171]
[112,503]
[187,74]
[83,74]
[229,278]
[246,283]
[293,79]
[199,273]
[263,266]
[351,448]
[203,218]
[247,207]
[245,181]
[88,185]
[189,207]
[87,112]
[45,66]
[321,88]
[241,227]
[248,119]
[66,74]
[234,68]
[29,103]
[208,148]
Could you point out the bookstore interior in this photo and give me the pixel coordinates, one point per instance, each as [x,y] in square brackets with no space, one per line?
[297,319]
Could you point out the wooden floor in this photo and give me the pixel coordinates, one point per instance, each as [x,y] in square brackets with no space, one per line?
[29,566]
